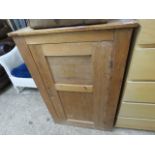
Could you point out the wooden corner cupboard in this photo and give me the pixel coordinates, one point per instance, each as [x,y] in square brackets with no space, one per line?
[78,70]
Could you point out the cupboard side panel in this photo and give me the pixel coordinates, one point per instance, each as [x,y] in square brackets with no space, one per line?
[27,56]
[120,53]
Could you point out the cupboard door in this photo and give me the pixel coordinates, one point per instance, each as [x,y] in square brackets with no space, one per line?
[77,78]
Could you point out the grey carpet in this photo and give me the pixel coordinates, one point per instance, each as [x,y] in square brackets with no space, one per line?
[26,113]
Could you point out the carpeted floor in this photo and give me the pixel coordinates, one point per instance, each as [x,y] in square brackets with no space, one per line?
[26,113]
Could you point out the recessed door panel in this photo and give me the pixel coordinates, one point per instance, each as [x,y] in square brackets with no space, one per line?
[71,69]
[77,105]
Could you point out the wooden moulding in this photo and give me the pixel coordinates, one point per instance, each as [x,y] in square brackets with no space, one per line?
[68,49]
[74,88]
[111,25]
[65,37]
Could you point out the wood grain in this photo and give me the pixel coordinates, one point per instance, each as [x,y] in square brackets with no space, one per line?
[120,53]
[68,49]
[71,69]
[74,88]
[77,106]
[101,77]
[80,123]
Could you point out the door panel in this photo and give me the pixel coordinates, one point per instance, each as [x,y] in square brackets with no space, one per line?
[77,105]
[74,88]
[71,69]
[77,77]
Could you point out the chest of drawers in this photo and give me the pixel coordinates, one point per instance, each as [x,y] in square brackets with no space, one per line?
[138,102]
[78,70]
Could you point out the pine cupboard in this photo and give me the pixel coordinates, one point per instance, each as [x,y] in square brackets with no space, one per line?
[78,70]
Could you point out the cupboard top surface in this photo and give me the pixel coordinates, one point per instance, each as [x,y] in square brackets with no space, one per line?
[112,24]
